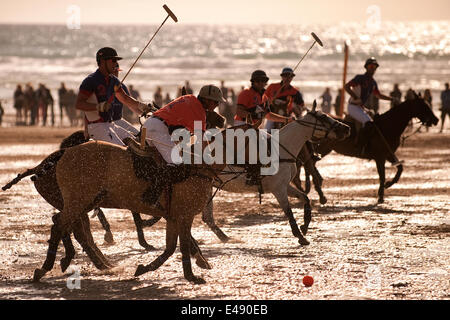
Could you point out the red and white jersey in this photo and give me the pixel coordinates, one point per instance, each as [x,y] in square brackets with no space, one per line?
[182,112]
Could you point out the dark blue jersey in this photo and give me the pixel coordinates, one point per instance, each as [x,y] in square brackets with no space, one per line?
[103,88]
[367,85]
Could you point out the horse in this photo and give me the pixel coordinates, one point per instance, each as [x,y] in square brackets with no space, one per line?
[315,125]
[386,138]
[106,164]
[292,137]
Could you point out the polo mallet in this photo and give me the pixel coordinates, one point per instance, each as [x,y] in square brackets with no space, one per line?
[169,14]
[316,40]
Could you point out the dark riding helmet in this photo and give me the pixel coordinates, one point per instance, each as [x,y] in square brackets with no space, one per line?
[259,75]
[371,60]
[106,53]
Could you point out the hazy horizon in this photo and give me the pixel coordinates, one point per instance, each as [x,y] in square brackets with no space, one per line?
[236,12]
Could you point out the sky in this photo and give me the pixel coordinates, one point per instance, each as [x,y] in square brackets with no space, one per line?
[221,12]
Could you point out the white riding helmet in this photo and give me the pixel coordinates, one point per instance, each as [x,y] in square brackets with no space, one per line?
[211,92]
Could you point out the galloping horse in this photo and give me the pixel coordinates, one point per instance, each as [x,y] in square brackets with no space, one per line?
[314,125]
[99,174]
[391,125]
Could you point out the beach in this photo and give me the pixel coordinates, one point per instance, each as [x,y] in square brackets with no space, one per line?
[359,250]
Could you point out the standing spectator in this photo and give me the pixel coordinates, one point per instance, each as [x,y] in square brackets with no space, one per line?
[396,96]
[62,96]
[326,101]
[410,94]
[157,97]
[337,102]
[2,112]
[31,104]
[428,98]
[188,88]
[167,99]
[445,107]
[73,114]
[44,100]
[19,101]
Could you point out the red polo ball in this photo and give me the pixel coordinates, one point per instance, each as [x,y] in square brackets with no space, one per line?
[308,281]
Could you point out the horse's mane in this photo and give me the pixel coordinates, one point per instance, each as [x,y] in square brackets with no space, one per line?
[394,111]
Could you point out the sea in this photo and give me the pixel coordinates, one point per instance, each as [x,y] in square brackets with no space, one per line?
[413,54]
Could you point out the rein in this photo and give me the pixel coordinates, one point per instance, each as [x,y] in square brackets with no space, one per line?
[412,134]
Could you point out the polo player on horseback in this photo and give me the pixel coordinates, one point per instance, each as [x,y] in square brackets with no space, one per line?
[359,89]
[180,113]
[285,98]
[250,110]
[103,113]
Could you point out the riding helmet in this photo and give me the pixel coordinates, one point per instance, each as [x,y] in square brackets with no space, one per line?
[371,60]
[259,75]
[211,92]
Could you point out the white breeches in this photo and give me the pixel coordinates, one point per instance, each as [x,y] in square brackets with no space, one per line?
[158,136]
[358,113]
[109,132]
[126,125]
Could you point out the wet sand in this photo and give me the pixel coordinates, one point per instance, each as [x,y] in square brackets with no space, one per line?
[359,250]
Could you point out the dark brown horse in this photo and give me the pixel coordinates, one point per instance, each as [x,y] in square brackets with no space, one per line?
[390,125]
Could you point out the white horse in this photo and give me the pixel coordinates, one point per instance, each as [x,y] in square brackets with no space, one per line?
[315,125]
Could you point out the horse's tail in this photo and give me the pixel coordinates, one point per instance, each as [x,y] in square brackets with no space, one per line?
[38,171]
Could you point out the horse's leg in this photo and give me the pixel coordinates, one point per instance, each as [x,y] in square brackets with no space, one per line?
[208,218]
[318,180]
[150,222]
[105,224]
[82,233]
[198,255]
[70,253]
[53,242]
[297,181]
[396,177]
[306,207]
[171,245]
[381,174]
[184,230]
[140,231]
[282,197]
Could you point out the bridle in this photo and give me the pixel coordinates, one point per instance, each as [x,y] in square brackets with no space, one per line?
[324,126]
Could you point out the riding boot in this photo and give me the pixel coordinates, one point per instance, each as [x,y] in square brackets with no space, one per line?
[167,175]
[364,136]
[253,177]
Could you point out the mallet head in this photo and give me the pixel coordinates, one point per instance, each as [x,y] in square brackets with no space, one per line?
[170,13]
[317,39]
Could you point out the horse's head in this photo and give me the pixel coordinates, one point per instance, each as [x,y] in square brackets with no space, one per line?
[324,126]
[421,109]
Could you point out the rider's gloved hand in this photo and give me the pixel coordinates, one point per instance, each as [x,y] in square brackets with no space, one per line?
[103,106]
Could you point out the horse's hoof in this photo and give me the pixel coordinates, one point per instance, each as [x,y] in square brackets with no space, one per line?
[38,274]
[196,280]
[202,263]
[380,200]
[224,239]
[109,239]
[140,270]
[304,229]
[65,263]
[323,200]
[303,241]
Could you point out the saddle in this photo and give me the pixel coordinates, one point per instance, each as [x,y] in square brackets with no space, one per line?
[360,135]
[149,165]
